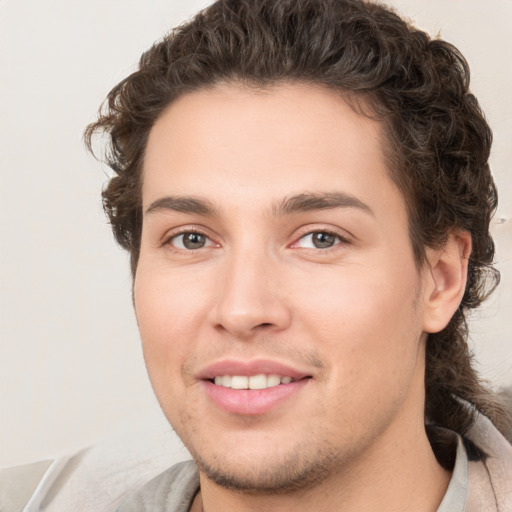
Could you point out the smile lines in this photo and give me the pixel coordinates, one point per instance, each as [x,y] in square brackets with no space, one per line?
[260,381]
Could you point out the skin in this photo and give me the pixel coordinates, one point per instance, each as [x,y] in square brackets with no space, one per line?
[353,316]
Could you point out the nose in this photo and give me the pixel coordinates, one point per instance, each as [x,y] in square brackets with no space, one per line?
[251,297]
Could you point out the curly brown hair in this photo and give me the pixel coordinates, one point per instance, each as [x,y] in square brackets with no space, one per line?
[437,139]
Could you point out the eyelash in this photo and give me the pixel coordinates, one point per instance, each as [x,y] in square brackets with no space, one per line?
[184,231]
[342,240]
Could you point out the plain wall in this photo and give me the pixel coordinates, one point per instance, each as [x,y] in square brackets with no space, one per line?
[71,368]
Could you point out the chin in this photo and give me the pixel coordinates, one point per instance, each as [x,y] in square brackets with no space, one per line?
[275,473]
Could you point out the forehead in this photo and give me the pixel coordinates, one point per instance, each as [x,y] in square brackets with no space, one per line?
[253,146]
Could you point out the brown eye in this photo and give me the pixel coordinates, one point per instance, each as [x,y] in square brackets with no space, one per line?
[323,240]
[190,241]
[319,240]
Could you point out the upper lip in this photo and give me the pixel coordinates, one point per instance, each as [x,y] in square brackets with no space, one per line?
[249,368]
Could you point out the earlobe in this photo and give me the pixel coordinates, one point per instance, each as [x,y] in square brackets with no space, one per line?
[446,276]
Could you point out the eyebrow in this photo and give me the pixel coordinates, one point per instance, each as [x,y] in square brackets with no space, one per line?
[304,202]
[319,201]
[183,204]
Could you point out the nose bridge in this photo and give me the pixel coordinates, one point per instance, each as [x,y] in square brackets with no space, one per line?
[249,298]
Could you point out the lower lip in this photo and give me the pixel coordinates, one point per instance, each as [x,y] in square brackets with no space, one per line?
[252,401]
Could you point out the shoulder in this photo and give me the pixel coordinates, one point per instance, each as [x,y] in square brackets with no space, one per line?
[18,483]
[174,489]
[31,485]
[490,476]
[97,478]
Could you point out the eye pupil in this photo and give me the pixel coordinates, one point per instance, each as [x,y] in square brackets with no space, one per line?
[322,240]
[194,240]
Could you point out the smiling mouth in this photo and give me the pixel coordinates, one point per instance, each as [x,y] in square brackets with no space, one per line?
[251,392]
[261,381]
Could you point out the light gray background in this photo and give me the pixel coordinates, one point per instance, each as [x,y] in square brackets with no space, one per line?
[71,369]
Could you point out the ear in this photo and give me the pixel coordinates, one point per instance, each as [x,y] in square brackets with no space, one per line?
[446,275]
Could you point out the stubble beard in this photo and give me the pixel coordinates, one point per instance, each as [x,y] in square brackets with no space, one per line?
[300,470]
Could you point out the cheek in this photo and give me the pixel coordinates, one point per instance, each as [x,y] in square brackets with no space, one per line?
[167,305]
[367,322]
[168,315]
[362,298]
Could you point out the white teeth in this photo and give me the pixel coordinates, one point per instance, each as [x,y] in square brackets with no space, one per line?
[239,382]
[260,381]
[273,380]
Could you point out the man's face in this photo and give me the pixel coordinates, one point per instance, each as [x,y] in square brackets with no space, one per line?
[275,247]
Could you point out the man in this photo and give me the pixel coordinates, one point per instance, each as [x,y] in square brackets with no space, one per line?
[304,191]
